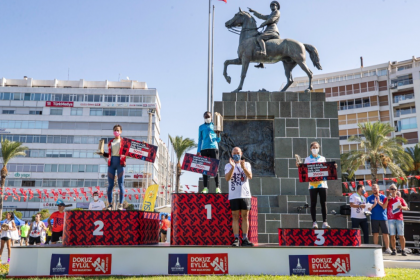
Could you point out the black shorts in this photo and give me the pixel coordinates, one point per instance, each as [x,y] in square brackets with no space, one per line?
[163,231]
[240,204]
[56,236]
[5,238]
[34,240]
[379,223]
[23,237]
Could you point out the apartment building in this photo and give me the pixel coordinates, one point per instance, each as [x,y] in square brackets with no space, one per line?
[387,92]
[62,122]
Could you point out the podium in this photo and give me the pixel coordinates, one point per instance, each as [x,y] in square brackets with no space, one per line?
[206,219]
[110,228]
[319,237]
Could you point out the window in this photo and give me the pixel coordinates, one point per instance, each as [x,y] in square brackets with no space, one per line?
[8,112]
[56,111]
[382,72]
[35,112]
[110,112]
[109,98]
[409,123]
[95,112]
[76,111]
[93,98]
[123,98]
[136,99]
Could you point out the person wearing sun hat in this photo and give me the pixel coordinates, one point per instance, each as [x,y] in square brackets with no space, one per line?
[58,217]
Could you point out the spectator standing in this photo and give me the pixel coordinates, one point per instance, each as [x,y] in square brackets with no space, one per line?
[24,230]
[58,217]
[358,218]
[395,219]
[6,233]
[379,218]
[36,230]
[165,225]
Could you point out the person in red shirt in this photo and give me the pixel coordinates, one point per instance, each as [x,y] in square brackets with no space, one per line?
[395,219]
[164,230]
[58,217]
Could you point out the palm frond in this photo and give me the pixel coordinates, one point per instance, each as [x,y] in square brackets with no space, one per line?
[11,149]
[181,146]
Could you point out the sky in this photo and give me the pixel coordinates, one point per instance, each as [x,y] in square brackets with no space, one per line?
[164,43]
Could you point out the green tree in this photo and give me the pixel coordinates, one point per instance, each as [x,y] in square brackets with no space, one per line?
[414,169]
[45,213]
[377,149]
[9,150]
[17,214]
[130,207]
[78,209]
[181,146]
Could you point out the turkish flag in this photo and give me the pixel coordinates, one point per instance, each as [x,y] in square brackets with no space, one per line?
[369,182]
[353,184]
[414,190]
[394,180]
[406,191]
[223,1]
[136,196]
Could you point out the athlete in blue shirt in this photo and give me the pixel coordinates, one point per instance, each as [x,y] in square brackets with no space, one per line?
[208,147]
[379,217]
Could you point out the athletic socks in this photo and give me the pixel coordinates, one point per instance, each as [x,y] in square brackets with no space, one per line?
[237,236]
[244,236]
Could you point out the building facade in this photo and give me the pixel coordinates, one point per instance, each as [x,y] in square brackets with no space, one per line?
[388,92]
[61,122]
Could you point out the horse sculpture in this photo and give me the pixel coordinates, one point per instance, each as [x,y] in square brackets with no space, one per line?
[290,52]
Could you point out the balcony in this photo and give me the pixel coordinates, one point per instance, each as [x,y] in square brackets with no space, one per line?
[401,83]
[399,98]
[412,141]
[406,111]
[358,120]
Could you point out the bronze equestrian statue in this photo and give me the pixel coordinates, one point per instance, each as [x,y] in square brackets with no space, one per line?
[252,47]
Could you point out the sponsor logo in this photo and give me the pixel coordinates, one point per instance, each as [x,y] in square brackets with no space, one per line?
[138,152]
[319,264]
[198,264]
[318,174]
[81,264]
[200,166]
[22,175]
[59,104]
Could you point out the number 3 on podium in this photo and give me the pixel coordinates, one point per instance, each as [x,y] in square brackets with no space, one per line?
[208,208]
[320,239]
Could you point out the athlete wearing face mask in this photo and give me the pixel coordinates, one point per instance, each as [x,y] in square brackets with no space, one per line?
[208,147]
[96,204]
[116,163]
[358,208]
[317,188]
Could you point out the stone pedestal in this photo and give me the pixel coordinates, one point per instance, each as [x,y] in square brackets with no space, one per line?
[290,121]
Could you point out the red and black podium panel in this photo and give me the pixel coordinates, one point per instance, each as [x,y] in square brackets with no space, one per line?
[206,219]
[110,228]
[319,237]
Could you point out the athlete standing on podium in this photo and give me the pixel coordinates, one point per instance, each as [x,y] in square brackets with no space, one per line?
[238,173]
[208,147]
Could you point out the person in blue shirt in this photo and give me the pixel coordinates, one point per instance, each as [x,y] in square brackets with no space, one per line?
[379,217]
[208,147]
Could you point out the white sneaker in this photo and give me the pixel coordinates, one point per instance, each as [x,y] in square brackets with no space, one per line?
[325,225]
[388,251]
[120,207]
[218,190]
[314,225]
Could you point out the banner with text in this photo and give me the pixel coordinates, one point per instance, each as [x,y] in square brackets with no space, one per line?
[198,264]
[320,171]
[319,264]
[80,264]
[139,150]
[199,164]
[150,198]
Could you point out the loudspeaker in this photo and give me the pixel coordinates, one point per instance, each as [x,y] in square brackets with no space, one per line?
[415,206]
[411,230]
[345,210]
[414,197]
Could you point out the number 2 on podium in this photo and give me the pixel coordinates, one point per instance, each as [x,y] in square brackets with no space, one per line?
[208,208]
[98,230]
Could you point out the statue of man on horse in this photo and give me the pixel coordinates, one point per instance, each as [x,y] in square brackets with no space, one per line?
[275,49]
[271,31]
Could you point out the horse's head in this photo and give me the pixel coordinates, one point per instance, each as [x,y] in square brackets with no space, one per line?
[239,19]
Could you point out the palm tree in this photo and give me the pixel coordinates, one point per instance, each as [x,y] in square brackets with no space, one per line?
[380,151]
[181,146]
[9,150]
[414,169]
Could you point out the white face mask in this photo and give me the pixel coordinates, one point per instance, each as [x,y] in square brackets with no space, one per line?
[207,120]
[95,198]
[315,151]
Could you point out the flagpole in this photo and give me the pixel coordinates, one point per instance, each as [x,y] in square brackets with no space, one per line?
[208,65]
[212,63]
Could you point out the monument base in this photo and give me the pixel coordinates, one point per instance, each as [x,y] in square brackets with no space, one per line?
[45,261]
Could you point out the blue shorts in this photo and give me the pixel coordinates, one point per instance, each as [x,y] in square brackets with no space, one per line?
[396,227]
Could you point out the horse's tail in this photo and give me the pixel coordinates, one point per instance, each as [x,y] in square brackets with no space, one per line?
[314,55]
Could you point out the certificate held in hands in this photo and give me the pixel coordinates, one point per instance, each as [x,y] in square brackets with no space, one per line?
[199,164]
[319,171]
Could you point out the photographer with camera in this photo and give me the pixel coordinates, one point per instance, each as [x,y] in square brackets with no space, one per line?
[358,217]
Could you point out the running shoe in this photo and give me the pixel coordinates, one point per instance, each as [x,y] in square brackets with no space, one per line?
[236,243]
[109,207]
[314,225]
[325,225]
[205,190]
[218,190]
[8,260]
[387,251]
[393,253]
[403,253]
[246,242]
[120,207]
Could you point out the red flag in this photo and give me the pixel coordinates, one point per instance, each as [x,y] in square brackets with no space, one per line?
[369,182]
[353,184]
[223,1]
[187,186]
[382,192]
[417,177]
[361,183]
[394,180]
[366,194]
[414,190]
[136,196]
[405,191]
[344,194]
[402,178]
[129,196]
